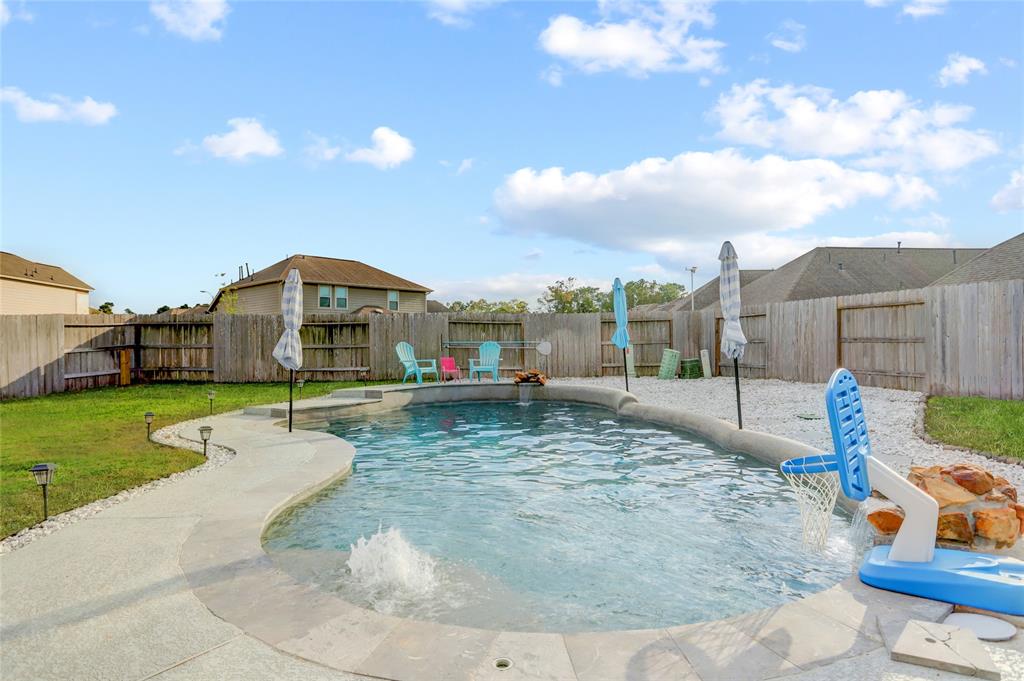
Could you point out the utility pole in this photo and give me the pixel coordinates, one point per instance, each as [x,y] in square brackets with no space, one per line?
[691,270]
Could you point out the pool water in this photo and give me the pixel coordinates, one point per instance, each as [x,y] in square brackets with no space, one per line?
[552,517]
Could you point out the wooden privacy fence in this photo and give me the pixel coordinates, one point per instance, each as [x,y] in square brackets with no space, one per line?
[955,340]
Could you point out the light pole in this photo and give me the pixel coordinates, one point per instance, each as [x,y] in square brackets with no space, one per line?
[210,395]
[43,473]
[691,270]
[149,423]
[205,432]
[300,382]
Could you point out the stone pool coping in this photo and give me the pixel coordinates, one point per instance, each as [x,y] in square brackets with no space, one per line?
[226,567]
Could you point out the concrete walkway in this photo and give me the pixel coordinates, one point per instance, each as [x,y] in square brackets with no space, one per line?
[131,593]
[106,598]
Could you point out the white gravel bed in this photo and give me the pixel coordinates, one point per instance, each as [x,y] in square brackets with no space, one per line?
[773,406]
[184,435]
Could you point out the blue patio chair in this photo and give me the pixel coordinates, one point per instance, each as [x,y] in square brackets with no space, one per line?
[490,356]
[414,367]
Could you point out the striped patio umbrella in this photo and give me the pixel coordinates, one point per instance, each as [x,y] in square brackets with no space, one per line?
[733,340]
[621,336]
[288,351]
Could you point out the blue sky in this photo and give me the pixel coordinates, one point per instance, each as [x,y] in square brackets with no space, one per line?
[486,148]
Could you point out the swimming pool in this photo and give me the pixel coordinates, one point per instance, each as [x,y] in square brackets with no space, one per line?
[551,517]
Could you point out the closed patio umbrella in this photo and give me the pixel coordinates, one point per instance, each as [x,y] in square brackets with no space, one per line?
[733,340]
[621,336]
[288,351]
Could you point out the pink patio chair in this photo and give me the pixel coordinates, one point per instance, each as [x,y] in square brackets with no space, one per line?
[448,367]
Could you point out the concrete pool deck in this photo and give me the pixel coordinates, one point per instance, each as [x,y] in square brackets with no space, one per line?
[174,584]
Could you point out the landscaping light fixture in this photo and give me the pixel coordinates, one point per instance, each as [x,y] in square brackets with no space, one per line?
[205,432]
[210,395]
[43,473]
[149,423]
[300,382]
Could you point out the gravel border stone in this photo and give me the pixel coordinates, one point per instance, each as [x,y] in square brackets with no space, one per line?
[172,436]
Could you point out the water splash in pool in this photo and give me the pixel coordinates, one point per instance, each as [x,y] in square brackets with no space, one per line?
[390,570]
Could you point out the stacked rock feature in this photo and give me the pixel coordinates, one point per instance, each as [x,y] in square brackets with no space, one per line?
[976,509]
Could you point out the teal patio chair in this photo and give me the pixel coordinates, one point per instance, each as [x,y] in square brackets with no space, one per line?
[414,367]
[490,356]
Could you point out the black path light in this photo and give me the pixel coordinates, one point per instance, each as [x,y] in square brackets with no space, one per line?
[299,383]
[210,394]
[43,473]
[205,432]
[149,423]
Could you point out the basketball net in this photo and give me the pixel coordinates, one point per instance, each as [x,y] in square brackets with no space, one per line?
[816,495]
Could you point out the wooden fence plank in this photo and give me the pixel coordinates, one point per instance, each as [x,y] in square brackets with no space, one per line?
[965,339]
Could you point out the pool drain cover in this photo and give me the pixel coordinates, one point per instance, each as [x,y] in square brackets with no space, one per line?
[502,663]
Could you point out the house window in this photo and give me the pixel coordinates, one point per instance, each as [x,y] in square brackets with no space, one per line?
[341,297]
[393,301]
[325,296]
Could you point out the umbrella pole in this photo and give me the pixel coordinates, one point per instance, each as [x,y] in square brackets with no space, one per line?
[625,369]
[736,372]
[291,385]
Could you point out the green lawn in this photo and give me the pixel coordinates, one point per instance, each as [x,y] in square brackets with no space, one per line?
[987,425]
[97,438]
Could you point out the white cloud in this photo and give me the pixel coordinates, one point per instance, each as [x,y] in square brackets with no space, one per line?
[19,14]
[506,286]
[57,108]
[656,271]
[1008,63]
[925,8]
[320,150]
[193,19]
[247,138]
[464,166]
[533,254]
[635,37]
[553,75]
[456,12]
[652,203]
[704,81]
[885,128]
[186,148]
[958,69]
[914,8]
[911,191]
[790,37]
[1011,196]
[932,220]
[389,150]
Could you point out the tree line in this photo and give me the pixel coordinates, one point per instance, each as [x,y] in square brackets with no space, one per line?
[567,295]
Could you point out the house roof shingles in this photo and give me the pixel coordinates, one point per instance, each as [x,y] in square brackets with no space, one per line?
[1002,261]
[15,267]
[839,271]
[315,269]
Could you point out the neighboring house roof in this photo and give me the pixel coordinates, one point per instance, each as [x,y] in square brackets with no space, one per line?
[704,296]
[199,308]
[841,271]
[315,269]
[436,306]
[1002,261]
[16,267]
